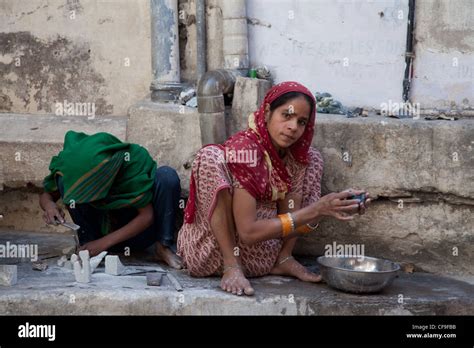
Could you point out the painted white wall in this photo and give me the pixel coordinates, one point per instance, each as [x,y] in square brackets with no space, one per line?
[310,40]
[444,63]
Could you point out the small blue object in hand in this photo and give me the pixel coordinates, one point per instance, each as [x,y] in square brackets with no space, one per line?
[360,198]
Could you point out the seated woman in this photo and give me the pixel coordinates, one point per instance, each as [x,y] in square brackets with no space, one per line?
[250,198]
[115,193]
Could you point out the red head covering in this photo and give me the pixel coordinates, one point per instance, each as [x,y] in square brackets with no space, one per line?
[265,177]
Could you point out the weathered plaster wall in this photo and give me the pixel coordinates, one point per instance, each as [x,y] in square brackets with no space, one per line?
[444,63]
[81,51]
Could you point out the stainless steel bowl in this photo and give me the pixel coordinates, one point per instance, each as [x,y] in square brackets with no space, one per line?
[357,274]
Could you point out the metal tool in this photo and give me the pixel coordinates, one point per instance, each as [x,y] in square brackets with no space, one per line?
[136,272]
[73,227]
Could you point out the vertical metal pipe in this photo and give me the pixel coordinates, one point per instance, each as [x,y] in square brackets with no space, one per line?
[409,54]
[201,38]
[165,50]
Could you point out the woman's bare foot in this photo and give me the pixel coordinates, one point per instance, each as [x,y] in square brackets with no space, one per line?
[290,267]
[234,281]
[168,256]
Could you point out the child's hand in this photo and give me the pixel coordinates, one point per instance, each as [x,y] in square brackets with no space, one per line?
[53,213]
[95,247]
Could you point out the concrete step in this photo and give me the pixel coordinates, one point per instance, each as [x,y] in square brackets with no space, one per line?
[27,143]
[55,292]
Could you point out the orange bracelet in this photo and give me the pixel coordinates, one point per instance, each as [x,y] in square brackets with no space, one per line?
[287,223]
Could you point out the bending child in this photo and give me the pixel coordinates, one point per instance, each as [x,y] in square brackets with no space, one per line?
[115,193]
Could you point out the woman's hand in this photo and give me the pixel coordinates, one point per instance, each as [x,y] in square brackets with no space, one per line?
[339,206]
[52,213]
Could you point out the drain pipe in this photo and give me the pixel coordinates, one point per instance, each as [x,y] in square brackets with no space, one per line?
[166,84]
[214,84]
[409,54]
[210,95]
[212,87]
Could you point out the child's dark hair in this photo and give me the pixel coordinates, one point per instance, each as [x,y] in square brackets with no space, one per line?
[289,96]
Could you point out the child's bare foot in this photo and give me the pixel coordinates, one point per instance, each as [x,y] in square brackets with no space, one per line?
[290,267]
[234,281]
[168,256]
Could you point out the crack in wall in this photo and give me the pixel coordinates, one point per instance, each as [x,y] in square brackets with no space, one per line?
[424,195]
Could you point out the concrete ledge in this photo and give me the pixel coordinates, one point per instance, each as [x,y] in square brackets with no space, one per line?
[27,143]
[395,157]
